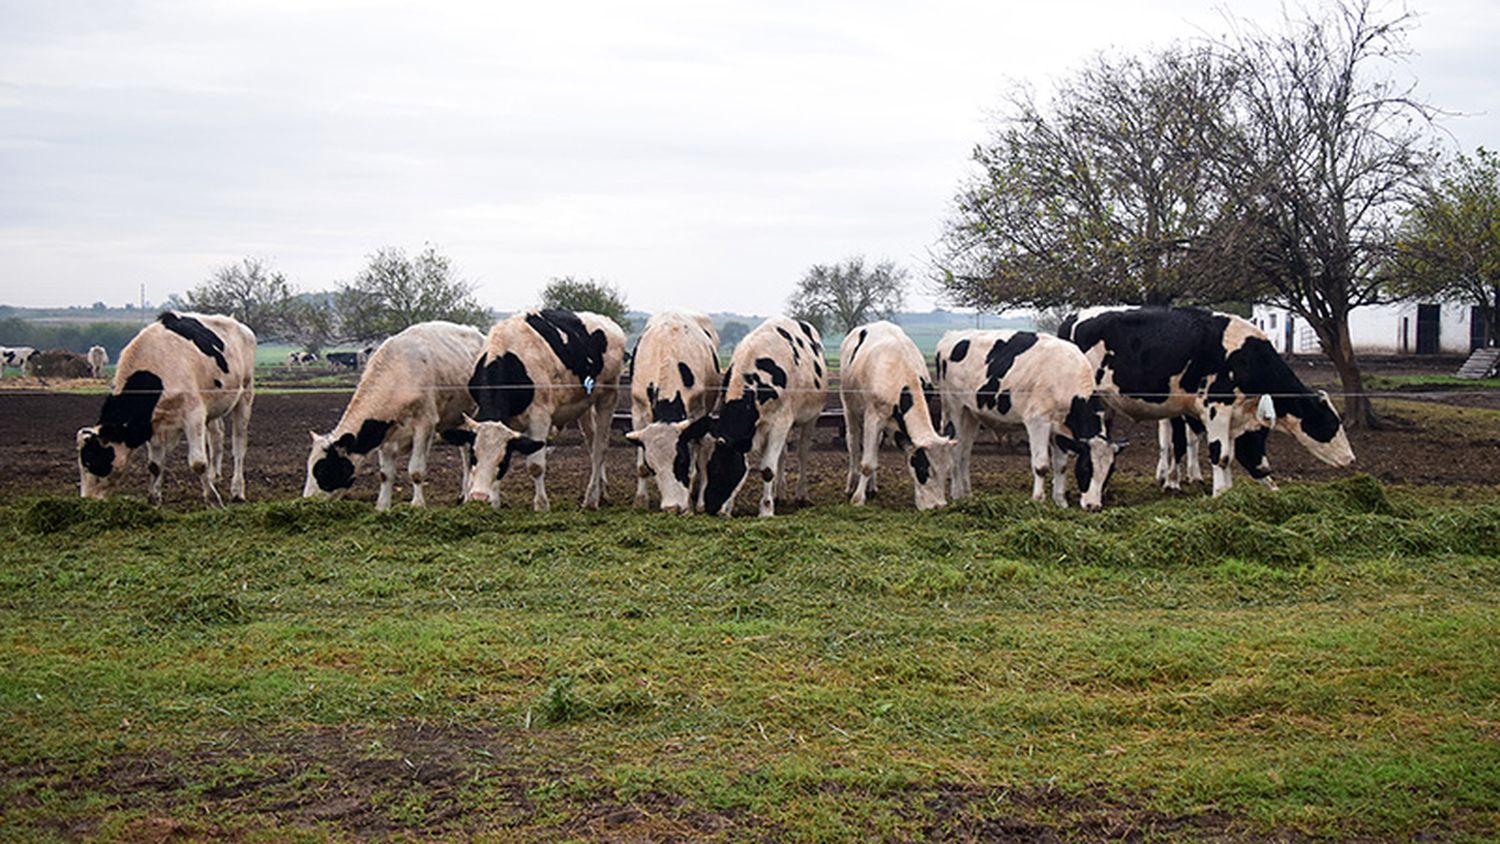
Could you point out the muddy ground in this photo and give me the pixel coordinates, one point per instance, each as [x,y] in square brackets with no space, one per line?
[37,454]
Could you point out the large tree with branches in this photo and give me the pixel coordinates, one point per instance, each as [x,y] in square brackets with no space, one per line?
[849,293]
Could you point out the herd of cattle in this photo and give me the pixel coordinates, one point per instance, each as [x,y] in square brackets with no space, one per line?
[55,363]
[699,429]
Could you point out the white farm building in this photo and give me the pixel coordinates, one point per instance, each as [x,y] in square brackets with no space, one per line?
[1400,329]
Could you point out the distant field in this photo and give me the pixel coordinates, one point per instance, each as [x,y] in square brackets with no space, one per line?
[1320,662]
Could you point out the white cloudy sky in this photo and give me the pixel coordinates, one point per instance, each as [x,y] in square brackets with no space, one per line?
[700,154]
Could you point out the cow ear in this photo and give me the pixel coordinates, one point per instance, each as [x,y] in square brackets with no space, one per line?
[634,436]
[83,436]
[1119,445]
[345,442]
[526,445]
[696,429]
[469,424]
[315,436]
[458,436]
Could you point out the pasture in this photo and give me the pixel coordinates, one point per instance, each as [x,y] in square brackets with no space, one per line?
[1322,662]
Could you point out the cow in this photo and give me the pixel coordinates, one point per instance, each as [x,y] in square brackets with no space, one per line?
[184,374]
[362,357]
[16,356]
[775,383]
[990,378]
[1155,363]
[539,371]
[414,387]
[884,390]
[300,358]
[343,360]
[675,381]
[57,363]
[98,360]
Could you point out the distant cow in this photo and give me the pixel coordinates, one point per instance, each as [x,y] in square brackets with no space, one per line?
[57,363]
[884,388]
[98,360]
[185,374]
[991,378]
[1216,369]
[362,356]
[299,358]
[16,356]
[540,371]
[413,388]
[675,382]
[343,360]
[774,384]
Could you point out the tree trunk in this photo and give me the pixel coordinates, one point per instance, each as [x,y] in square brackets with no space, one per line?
[1358,411]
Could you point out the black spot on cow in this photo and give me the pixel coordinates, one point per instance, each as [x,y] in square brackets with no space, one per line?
[202,336]
[687,375]
[998,362]
[767,474]
[153,468]
[513,446]
[96,457]
[793,344]
[812,337]
[1214,452]
[904,405]
[1250,452]
[632,355]
[682,461]
[776,373]
[921,465]
[939,366]
[1256,368]
[371,434]
[501,388]
[218,384]
[126,415]
[580,352]
[737,421]
[817,370]
[949,431]
[1145,348]
[959,352]
[671,410]
[458,436]
[857,343]
[726,466]
[1085,418]
[333,471]
[1179,438]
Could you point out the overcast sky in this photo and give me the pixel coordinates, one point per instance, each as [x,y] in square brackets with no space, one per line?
[699,154]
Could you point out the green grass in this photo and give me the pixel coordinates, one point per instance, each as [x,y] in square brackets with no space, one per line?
[1391,383]
[1324,661]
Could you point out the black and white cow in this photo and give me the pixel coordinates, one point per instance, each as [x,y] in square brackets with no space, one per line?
[775,383]
[17,356]
[884,388]
[992,378]
[98,360]
[344,360]
[185,374]
[540,371]
[299,358]
[412,388]
[675,381]
[1156,363]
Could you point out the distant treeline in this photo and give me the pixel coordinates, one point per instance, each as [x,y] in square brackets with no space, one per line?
[73,336]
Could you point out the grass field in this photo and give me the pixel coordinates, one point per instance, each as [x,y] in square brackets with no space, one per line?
[1320,662]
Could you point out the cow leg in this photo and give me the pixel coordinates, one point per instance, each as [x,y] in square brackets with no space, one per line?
[156,460]
[1194,470]
[853,440]
[1220,447]
[197,442]
[464,461]
[536,464]
[416,465]
[804,452]
[596,430]
[770,460]
[1167,458]
[1039,436]
[216,450]
[1060,473]
[700,473]
[239,443]
[869,456]
[966,431]
[642,489]
[387,457]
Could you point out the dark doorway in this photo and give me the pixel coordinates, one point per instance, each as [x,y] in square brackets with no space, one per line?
[1429,325]
[1478,335]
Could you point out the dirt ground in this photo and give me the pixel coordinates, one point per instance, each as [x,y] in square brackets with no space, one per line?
[37,454]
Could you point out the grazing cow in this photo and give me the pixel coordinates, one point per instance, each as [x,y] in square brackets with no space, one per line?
[57,363]
[299,358]
[185,374]
[16,356]
[1045,384]
[540,371]
[774,383]
[884,388]
[413,388]
[98,359]
[675,381]
[1217,369]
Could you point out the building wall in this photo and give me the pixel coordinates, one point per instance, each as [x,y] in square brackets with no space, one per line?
[1374,330]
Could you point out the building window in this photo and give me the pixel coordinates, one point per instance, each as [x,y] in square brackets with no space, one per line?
[1272,317]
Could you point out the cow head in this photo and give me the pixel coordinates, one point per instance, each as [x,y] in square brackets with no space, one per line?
[99,462]
[1313,421]
[1088,439]
[733,435]
[670,450]
[930,462]
[491,446]
[331,466]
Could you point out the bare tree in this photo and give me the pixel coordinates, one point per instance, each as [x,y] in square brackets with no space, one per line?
[1449,246]
[843,295]
[395,291]
[1102,195]
[1326,148]
[251,291]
